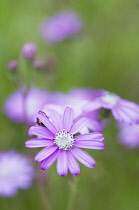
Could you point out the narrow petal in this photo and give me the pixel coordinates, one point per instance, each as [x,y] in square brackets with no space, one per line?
[89,144]
[34,143]
[83,157]
[93,106]
[116,114]
[90,136]
[44,153]
[95,125]
[73,165]
[130,105]
[56,119]
[46,122]
[45,164]
[62,163]
[123,116]
[68,118]
[78,125]
[40,132]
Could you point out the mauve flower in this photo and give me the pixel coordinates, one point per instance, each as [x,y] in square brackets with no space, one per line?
[16,171]
[77,99]
[58,136]
[29,50]
[20,110]
[61,26]
[122,110]
[129,135]
[12,66]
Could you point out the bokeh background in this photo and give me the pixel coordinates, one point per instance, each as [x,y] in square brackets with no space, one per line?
[104,55]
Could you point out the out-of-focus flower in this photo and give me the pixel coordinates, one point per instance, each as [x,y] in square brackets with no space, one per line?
[77,99]
[38,64]
[16,171]
[58,136]
[29,50]
[129,135]
[20,110]
[12,66]
[61,26]
[45,65]
[122,110]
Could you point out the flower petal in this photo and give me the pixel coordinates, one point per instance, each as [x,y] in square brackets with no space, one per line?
[40,132]
[123,116]
[90,136]
[78,125]
[44,153]
[89,144]
[83,157]
[45,164]
[95,125]
[56,119]
[68,118]
[73,165]
[46,122]
[34,143]
[62,163]
[96,104]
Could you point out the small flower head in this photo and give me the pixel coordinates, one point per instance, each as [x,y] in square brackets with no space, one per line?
[61,26]
[59,137]
[16,172]
[29,50]
[12,66]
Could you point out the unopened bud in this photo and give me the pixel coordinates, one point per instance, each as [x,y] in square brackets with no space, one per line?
[29,51]
[12,66]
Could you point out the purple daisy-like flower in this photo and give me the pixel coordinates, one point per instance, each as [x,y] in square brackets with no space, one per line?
[129,135]
[16,171]
[122,110]
[61,26]
[59,137]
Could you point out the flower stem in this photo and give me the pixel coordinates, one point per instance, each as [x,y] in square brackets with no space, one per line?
[72,193]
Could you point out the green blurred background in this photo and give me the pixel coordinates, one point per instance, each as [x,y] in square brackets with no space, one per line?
[105,55]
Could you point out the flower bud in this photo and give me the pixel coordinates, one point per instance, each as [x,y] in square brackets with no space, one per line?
[12,66]
[29,50]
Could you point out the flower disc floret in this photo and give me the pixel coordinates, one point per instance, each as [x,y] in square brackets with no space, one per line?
[64,140]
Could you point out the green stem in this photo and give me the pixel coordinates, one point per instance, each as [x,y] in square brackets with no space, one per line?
[72,193]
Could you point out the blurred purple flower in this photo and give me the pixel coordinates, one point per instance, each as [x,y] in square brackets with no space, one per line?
[122,110]
[129,135]
[61,144]
[19,110]
[16,171]
[77,99]
[61,26]
[12,65]
[29,50]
